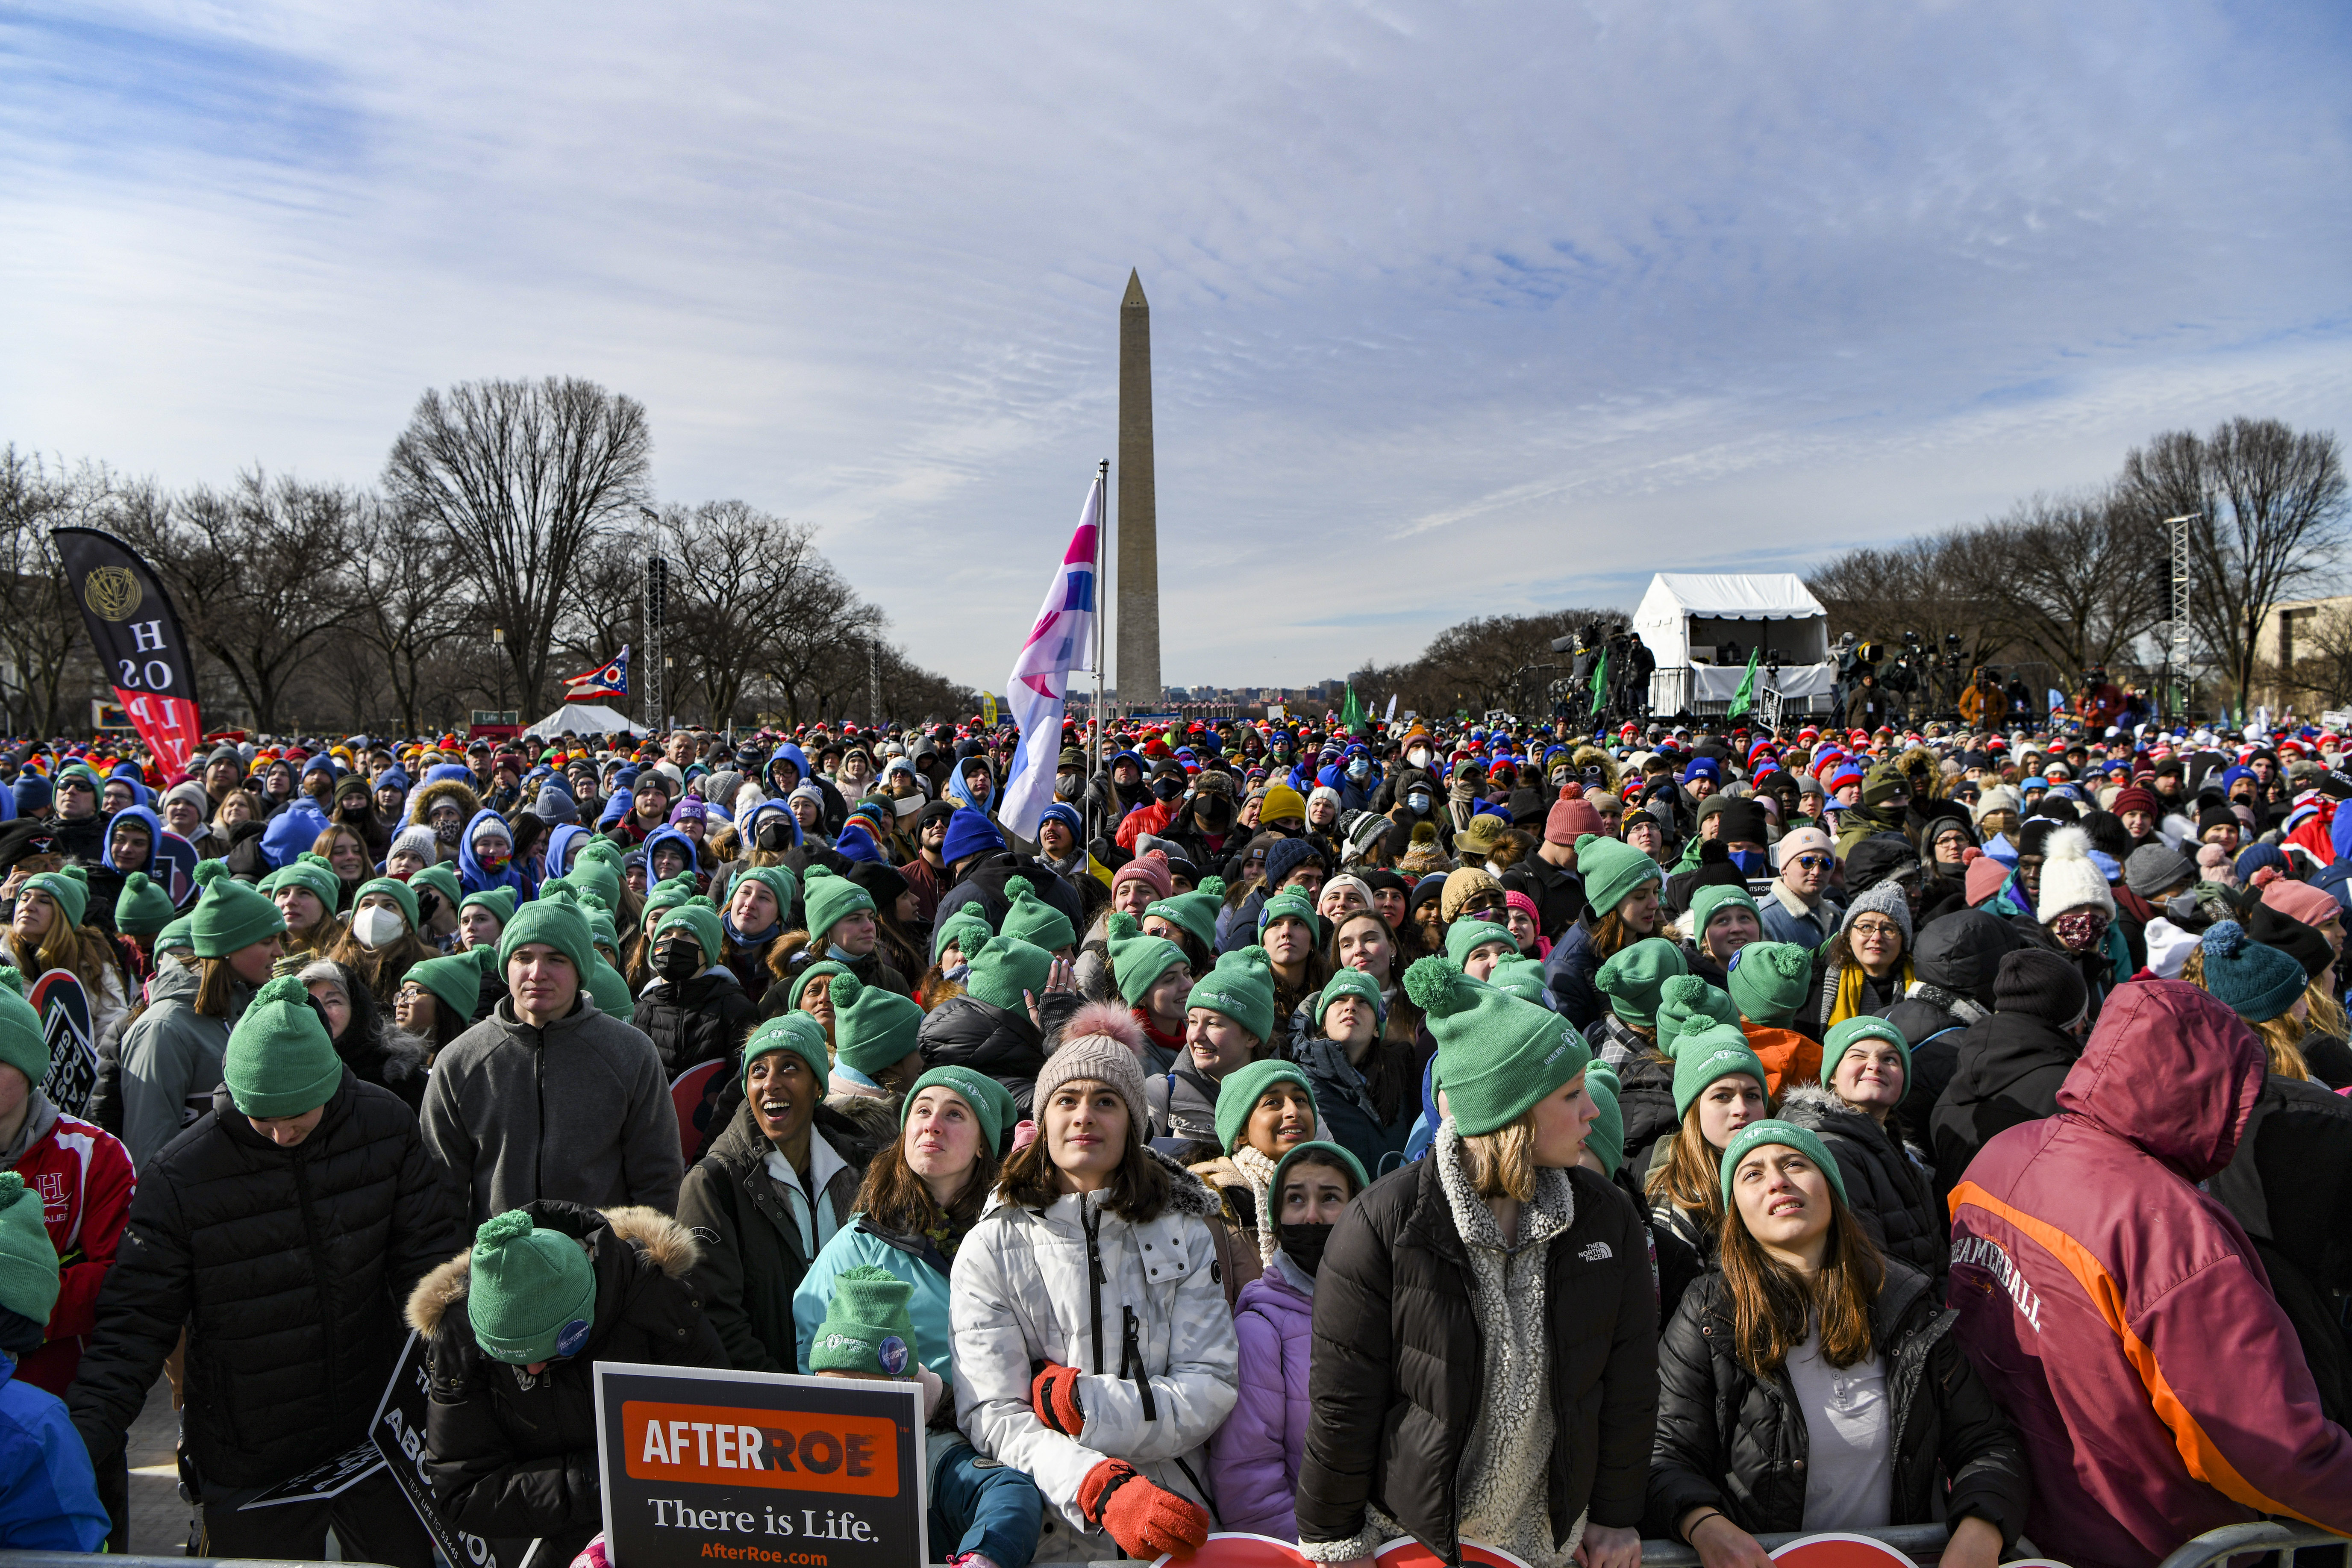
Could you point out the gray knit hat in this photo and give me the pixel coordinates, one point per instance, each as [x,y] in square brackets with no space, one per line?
[2153,868]
[1887,898]
[1089,1049]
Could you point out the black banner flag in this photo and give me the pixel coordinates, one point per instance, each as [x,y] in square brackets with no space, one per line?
[137,633]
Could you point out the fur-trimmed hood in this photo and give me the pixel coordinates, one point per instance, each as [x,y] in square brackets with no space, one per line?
[659,1239]
[421,803]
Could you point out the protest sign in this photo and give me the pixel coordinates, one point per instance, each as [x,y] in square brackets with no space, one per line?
[319,1482]
[701,1465]
[398,1432]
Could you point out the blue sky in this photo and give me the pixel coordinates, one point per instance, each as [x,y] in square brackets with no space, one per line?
[1457,310]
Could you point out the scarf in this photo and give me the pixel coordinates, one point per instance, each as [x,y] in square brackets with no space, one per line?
[1847,1001]
[737,937]
[1258,1170]
[1165,1042]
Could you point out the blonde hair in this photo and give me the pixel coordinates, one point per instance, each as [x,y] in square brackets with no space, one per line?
[2282,1036]
[1502,1164]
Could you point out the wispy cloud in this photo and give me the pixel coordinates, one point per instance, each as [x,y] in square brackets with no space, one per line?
[1456,309]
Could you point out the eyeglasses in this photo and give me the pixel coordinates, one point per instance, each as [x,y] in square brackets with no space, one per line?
[1813,862]
[1876,928]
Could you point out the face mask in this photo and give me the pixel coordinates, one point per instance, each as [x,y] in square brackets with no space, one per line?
[1418,757]
[838,953]
[774,835]
[677,961]
[1750,862]
[1065,787]
[375,925]
[1166,789]
[1418,800]
[447,835]
[493,860]
[1305,1244]
[1359,768]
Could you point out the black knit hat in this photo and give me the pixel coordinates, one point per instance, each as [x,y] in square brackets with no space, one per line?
[2291,936]
[2040,984]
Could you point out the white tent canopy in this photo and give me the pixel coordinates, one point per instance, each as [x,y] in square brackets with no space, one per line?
[1685,616]
[584,718]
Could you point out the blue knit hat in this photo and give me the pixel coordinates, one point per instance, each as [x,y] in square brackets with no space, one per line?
[970,832]
[2257,982]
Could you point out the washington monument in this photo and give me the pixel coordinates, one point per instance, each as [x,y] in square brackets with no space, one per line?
[1138,517]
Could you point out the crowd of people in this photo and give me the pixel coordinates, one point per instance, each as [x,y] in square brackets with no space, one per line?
[1543,1139]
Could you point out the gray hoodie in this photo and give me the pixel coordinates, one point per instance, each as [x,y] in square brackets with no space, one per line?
[171,1060]
[578,1111]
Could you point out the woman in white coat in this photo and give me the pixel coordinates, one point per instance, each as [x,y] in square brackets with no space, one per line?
[1094,1264]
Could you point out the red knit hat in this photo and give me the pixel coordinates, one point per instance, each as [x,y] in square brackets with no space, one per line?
[1570,817]
[1983,878]
[2134,798]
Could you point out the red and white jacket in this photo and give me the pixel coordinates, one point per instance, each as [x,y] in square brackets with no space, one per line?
[84,1177]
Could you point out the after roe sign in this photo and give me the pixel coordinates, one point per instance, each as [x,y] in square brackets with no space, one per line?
[702,1466]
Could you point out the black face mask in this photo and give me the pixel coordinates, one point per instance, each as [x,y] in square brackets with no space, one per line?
[1167,788]
[678,960]
[1305,1244]
[774,835]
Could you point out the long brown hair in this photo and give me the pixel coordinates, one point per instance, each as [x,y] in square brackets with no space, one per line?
[1611,933]
[1404,1013]
[1502,1164]
[897,1199]
[215,987]
[1688,1175]
[84,950]
[1773,1306]
[1139,1188]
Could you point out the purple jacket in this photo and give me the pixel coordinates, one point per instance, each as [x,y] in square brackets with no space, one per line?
[1253,1458]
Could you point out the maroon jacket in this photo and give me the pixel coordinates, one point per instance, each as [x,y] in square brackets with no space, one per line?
[2122,1317]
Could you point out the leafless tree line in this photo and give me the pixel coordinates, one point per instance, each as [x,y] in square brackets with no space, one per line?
[505,547]
[1483,664]
[2085,579]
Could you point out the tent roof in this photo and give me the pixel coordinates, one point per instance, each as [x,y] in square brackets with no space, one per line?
[586,719]
[1743,596]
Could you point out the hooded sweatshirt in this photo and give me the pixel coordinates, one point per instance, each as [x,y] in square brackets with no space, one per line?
[471,876]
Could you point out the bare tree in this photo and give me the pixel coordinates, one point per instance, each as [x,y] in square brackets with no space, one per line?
[526,476]
[44,656]
[740,576]
[408,605]
[2077,578]
[2270,506]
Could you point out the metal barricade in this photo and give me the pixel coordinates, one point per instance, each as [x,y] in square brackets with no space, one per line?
[2262,1535]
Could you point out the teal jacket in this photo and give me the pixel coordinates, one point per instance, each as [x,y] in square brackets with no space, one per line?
[912,1259]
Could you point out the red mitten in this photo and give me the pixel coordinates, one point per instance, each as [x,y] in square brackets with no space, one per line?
[1054,1396]
[1145,1520]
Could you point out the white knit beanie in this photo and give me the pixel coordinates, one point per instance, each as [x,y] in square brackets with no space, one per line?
[2069,880]
[1090,1050]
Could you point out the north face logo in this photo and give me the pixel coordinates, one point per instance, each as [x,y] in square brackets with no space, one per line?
[1597,1252]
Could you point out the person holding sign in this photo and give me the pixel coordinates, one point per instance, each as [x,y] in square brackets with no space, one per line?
[1848,1403]
[921,1198]
[516,1326]
[278,1231]
[1096,1264]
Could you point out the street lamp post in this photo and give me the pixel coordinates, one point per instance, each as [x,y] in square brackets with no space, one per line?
[499,641]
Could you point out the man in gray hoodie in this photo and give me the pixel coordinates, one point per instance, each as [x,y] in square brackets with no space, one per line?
[548,1096]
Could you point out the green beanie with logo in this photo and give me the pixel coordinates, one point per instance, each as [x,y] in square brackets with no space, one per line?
[1137,960]
[1496,1055]
[315,872]
[1788,1135]
[866,1328]
[873,1029]
[1687,1003]
[499,901]
[1768,981]
[821,968]
[798,1033]
[455,981]
[1612,868]
[1238,1095]
[1632,976]
[1351,983]
[698,918]
[1844,1033]
[24,1043]
[965,930]
[1523,977]
[1034,921]
[1196,911]
[29,1258]
[551,919]
[990,1102]
[1002,968]
[599,877]
[1707,1053]
[781,885]
[1289,904]
[830,900]
[532,1296]
[69,888]
[141,909]
[1465,937]
[279,1060]
[1241,986]
[1709,901]
[178,937]
[229,915]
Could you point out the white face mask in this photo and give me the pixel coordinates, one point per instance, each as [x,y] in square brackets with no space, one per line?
[376,925]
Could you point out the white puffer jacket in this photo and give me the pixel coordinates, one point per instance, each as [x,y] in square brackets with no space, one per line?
[1020,1295]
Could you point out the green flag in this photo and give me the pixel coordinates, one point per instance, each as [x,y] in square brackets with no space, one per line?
[1745,697]
[1600,683]
[1351,713]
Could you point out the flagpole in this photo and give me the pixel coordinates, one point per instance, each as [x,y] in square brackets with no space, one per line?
[1102,609]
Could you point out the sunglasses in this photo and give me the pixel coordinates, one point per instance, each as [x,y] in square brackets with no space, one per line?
[1813,862]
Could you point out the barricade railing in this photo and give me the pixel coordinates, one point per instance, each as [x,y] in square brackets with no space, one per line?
[2262,1535]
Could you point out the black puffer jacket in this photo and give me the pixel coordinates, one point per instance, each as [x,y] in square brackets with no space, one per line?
[2290,1185]
[1731,1440]
[287,1266]
[515,1456]
[695,1021]
[1398,1368]
[986,881]
[964,1031]
[2010,1065]
[1887,1189]
[1645,1097]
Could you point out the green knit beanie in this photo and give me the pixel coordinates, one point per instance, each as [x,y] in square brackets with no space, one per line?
[1238,1096]
[180,936]
[966,929]
[599,877]
[456,981]
[1612,868]
[872,1028]
[442,879]
[1003,967]
[1706,1054]
[1291,905]
[29,1258]
[609,989]
[392,888]
[1465,936]
[600,851]
[1846,1033]
[1713,897]
[1687,1003]
[1523,977]
[991,1103]
[314,872]
[532,1296]
[830,900]
[1137,960]
[1788,1135]
[1350,983]
[781,885]
[1768,981]
[1632,976]
[1034,921]
[866,1328]
[663,896]
[825,966]
[68,888]
[1241,986]
[1497,1055]
[551,919]
[279,1060]
[796,1031]
[1196,911]
[141,909]
[228,914]
[499,901]
[1606,1136]
[1329,1152]
[698,918]
[24,1043]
